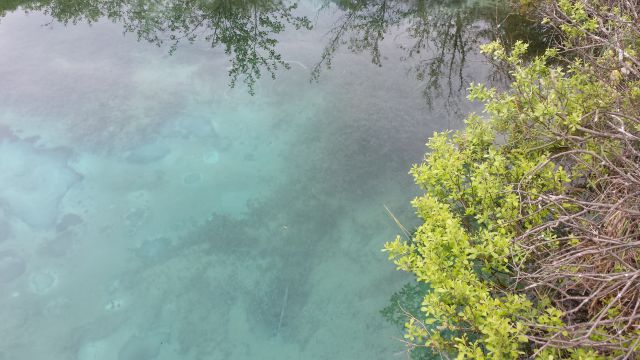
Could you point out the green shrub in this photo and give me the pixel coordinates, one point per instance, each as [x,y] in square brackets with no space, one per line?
[517,212]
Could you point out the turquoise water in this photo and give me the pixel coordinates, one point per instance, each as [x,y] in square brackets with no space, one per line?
[148,210]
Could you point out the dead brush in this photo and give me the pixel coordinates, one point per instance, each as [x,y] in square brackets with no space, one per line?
[591,269]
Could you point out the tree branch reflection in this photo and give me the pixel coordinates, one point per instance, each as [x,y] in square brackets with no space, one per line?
[435,36]
[245,29]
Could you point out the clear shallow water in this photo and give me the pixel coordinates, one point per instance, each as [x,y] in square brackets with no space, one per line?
[150,211]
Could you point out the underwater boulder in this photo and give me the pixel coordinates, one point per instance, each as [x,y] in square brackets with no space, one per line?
[33,181]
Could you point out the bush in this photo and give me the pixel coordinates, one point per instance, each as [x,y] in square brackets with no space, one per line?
[531,235]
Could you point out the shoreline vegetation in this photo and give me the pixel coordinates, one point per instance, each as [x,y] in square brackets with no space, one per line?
[530,241]
[529,246]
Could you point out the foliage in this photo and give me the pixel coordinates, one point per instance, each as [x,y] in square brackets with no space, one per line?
[463,248]
[403,303]
[531,233]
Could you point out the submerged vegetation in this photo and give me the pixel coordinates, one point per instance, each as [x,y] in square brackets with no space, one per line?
[530,243]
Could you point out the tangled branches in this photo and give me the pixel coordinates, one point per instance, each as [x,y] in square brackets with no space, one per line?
[604,33]
[586,258]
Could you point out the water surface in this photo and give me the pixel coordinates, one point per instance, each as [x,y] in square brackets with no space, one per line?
[148,210]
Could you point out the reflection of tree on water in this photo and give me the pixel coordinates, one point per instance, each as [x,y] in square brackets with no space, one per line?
[436,35]
[245,29]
